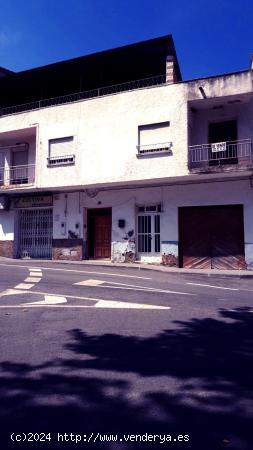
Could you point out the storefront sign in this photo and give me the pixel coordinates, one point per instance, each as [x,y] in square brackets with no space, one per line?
[33,202]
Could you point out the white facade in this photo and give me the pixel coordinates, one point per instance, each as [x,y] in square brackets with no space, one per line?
[105,132]
[108,172]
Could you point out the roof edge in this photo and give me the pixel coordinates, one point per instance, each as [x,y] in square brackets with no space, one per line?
[164,38]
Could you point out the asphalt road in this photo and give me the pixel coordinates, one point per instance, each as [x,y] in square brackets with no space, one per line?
[147,358]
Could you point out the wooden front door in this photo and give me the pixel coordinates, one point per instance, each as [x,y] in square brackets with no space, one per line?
[212,237]
[102,237]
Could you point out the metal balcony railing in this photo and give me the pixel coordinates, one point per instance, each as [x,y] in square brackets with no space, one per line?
[232,153]
[151,149]
[17,175]
[85,95]
[60,160]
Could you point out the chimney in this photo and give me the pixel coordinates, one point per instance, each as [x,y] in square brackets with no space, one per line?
[170,70]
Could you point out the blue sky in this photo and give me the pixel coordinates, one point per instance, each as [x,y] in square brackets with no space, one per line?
[211,37]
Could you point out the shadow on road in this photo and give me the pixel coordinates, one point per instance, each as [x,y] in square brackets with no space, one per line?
[194,380]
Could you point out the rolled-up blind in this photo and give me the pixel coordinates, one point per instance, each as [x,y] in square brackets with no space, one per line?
[61,146]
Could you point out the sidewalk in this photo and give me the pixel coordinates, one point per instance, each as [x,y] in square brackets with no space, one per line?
[140,266]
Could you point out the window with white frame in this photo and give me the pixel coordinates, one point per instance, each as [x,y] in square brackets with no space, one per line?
[154,138]
[61,151]
[148,227]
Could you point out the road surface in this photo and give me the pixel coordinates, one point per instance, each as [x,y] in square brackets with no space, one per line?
[119,358]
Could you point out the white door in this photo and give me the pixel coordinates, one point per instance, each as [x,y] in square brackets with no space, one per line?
[149,234]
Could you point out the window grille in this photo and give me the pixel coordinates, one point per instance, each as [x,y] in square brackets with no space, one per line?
[149,229]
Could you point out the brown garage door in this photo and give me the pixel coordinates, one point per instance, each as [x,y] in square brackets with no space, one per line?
[211,237]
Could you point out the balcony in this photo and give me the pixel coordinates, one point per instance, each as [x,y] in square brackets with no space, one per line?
[221,156]
[17,176]
[84,95]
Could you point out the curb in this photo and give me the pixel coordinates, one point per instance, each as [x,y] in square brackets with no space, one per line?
[172,271]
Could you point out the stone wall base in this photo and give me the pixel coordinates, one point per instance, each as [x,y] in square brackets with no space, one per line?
[6,249]
[170,260]
[68,249]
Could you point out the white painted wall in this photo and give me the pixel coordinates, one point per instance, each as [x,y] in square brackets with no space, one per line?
[105,134]
[105,131]
[6,225]
[67,210]
[124,202]
[221,86]
[72,209]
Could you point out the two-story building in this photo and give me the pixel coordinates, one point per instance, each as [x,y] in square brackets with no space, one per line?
[112,155]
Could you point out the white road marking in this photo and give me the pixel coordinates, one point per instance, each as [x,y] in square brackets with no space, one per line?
[12,292]
[48,300]
[42,306]
[24,286]
[32,280]
[109,274]
[148,290]
[215,287]
[35,274]
[65,306]
[90,282]
[100,283]
[77,271]
[34,277]
[59,295]
[125,305]
[103,305]
[99,303]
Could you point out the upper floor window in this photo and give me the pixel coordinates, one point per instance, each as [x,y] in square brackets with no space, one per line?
[61,151]
[154,138]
